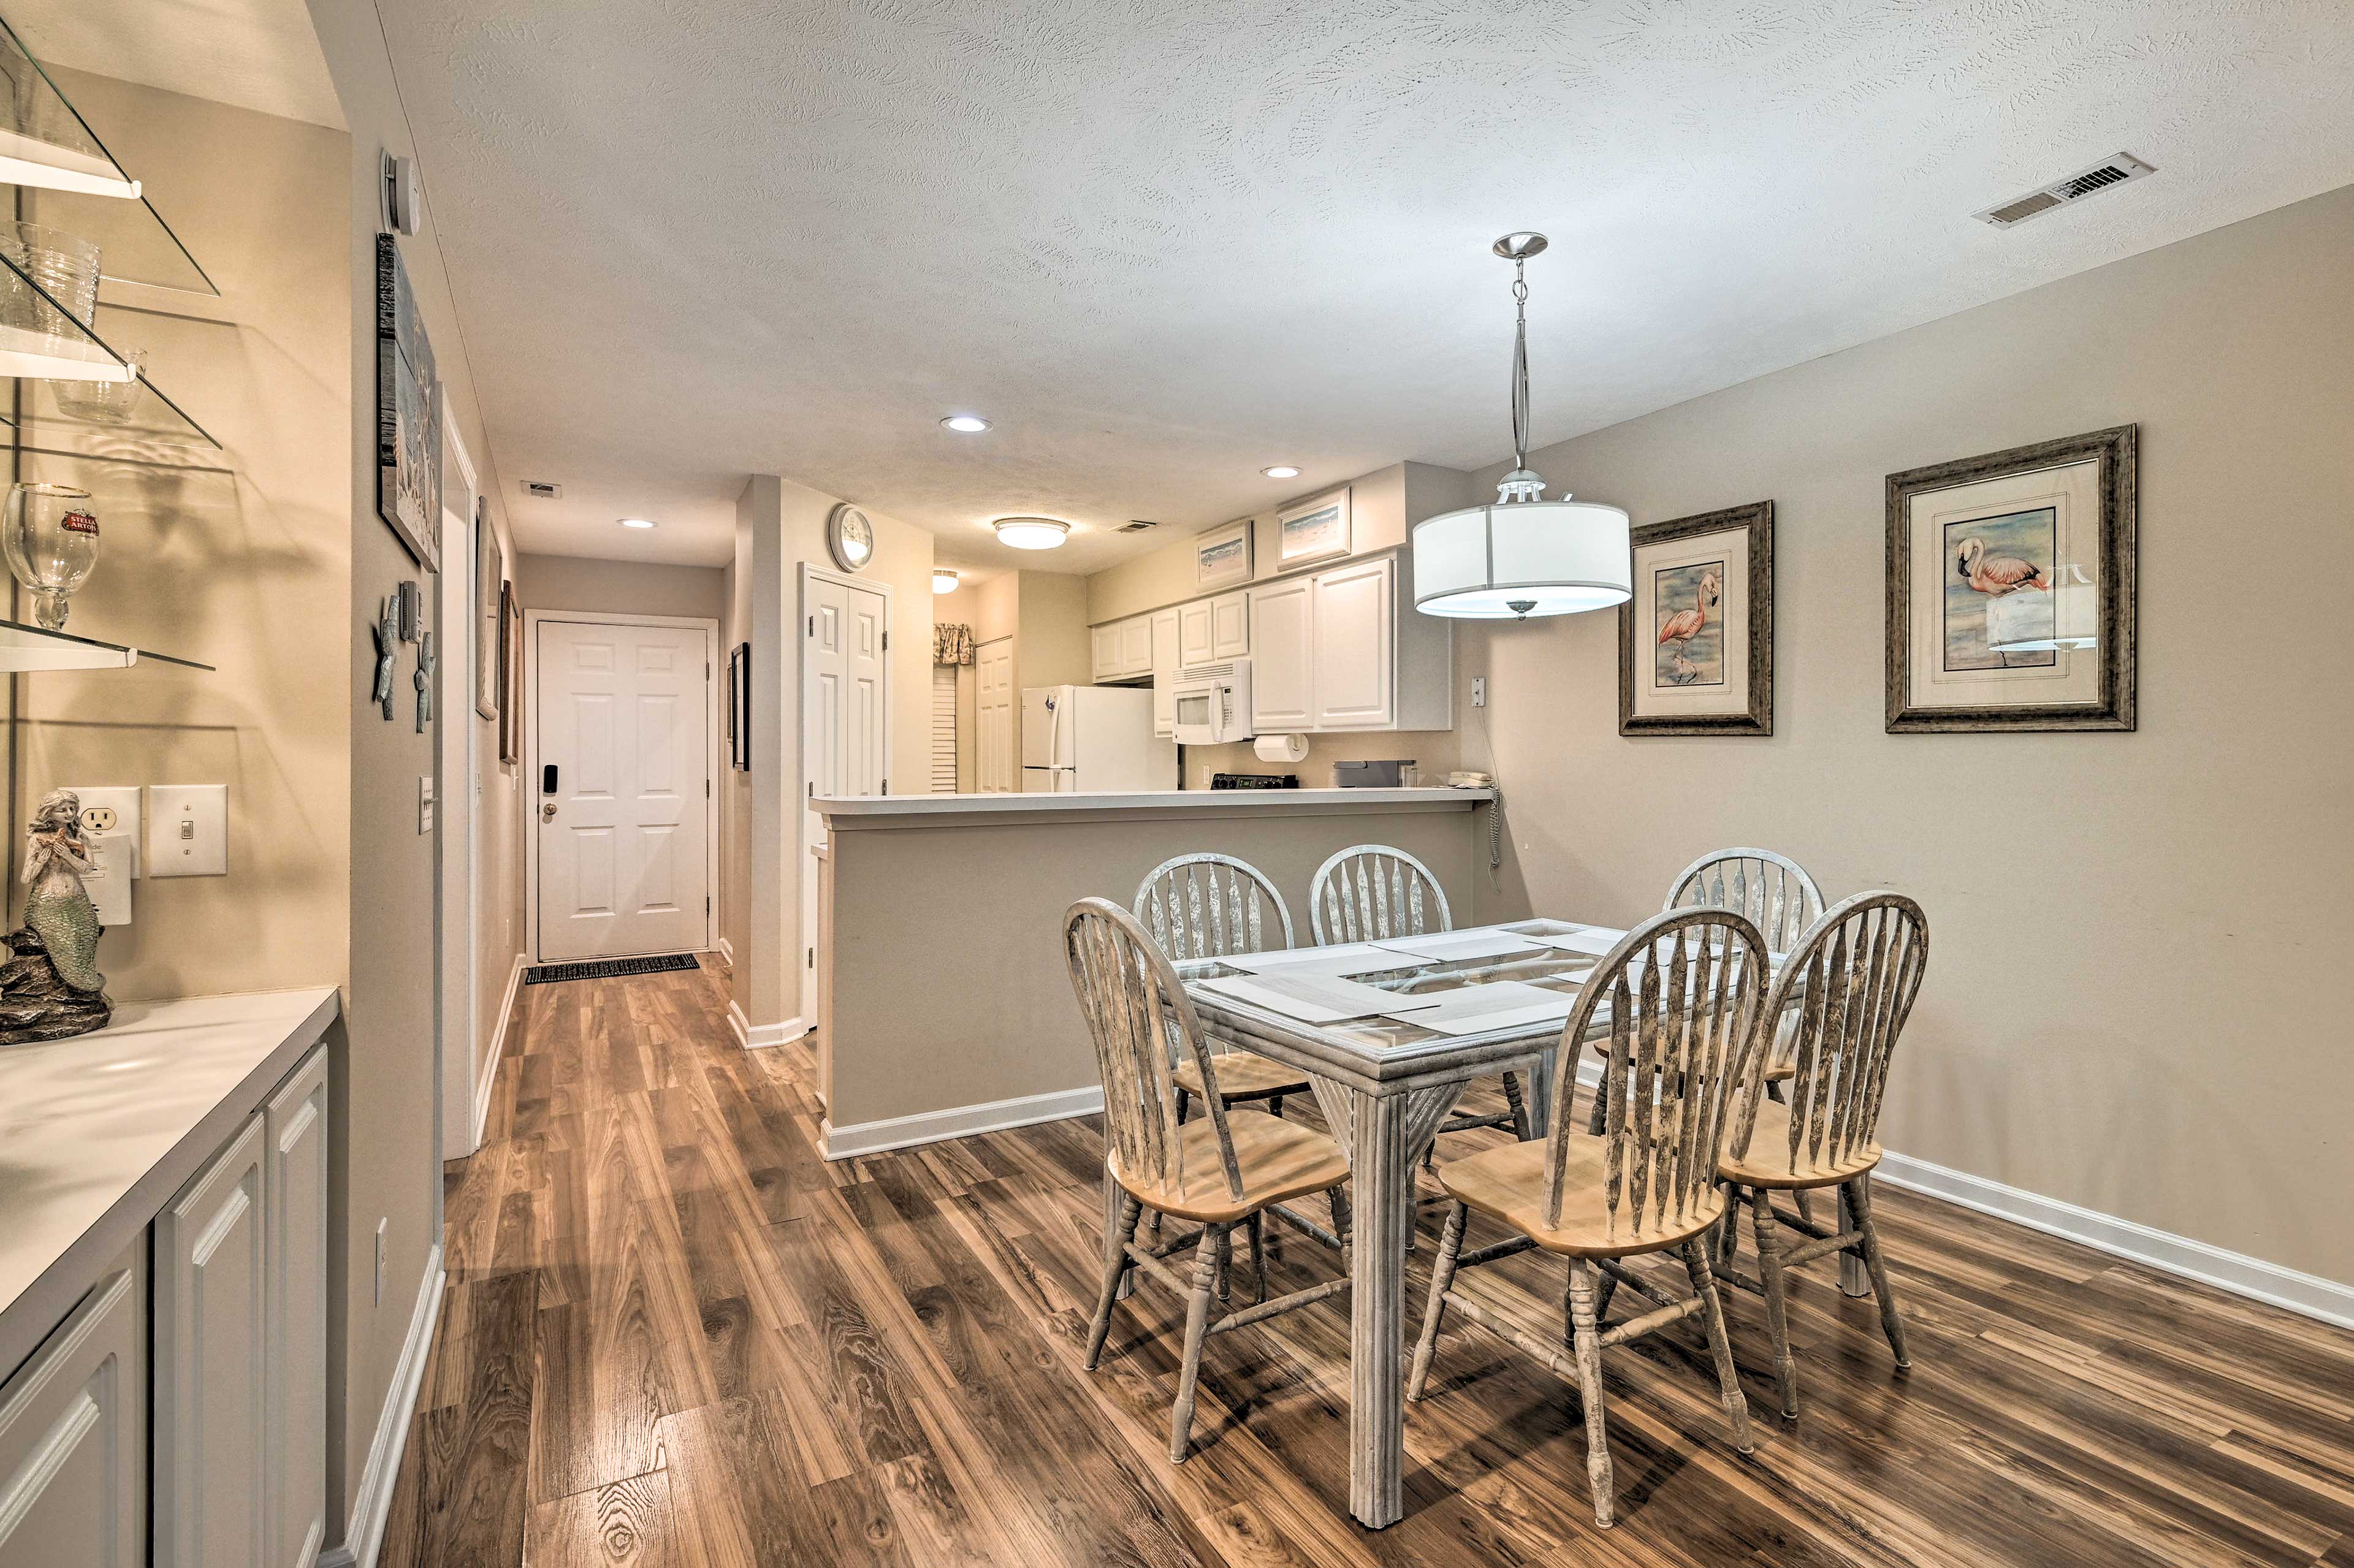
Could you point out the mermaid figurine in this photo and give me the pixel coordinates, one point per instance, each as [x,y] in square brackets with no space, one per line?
[57,907]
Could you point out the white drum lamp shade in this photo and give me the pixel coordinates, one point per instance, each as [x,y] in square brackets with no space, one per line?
[1511,559]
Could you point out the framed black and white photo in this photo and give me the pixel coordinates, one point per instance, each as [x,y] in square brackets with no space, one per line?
[2011,589]
[739,707]
[407,414]
[1313,530]
[1696,641]
[1222,558]
[490,572]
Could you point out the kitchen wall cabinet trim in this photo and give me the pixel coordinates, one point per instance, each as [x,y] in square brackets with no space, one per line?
[73,1435]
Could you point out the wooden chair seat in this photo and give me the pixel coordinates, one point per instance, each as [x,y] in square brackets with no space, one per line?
[1767,1163]
[1279,1160]
[1242,1076]
[1508,1184]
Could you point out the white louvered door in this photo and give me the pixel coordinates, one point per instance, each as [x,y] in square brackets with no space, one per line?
[944,690]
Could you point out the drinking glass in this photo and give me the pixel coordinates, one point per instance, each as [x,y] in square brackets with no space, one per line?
[50,537]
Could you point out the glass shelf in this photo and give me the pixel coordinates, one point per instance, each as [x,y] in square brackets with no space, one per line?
[63,348]
[26,647]
[67,179]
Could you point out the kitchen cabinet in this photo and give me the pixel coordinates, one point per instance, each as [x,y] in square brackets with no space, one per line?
[1230,626]
[1121,650]
[73,1435]
[1104,653]
[1194,634]
[294,1211]
[1282,629]
[212,1362]
[1342,649]
[1165,665]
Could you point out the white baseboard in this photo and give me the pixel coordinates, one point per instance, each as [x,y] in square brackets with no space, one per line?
[363,1532]
[959,1121]
[490,1074]
[755,1036]
[2307,1294]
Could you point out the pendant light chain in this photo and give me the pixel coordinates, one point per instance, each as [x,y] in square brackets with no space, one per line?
[1520,363]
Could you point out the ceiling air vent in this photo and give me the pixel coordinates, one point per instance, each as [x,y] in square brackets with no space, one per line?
[2109,172]
[540,490]
[1136,525]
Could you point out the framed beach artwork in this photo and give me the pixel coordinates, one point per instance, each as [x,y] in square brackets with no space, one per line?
[407,414]
[490,575]
[1222,558]
[1313,529]
[2011,589]
[510,674]
[1696,642]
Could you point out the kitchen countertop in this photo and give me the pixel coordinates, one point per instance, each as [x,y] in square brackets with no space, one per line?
[98,1133]
[850,812]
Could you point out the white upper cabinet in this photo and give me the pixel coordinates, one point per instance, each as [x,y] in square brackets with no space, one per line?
[1283,631]
[1194,634]
[1353,680]
[1105,647]
[1164,671]
[1136,646]
[73,1435]
[1230,626]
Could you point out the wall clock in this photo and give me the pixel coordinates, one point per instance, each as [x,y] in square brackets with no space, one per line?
[850,536]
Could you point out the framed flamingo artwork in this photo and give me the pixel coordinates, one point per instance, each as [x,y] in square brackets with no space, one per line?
[2011,589]
[1696,642]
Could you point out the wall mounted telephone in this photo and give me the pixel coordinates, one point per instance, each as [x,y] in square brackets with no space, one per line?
[1461,781]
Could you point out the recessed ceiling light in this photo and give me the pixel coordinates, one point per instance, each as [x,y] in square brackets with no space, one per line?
[637,522]
[1281,470]
[966,424]
[1031,532]
[943,581]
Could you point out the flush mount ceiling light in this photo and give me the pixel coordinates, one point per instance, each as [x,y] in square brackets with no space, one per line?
[966,424]
[1031,532]
[1522,555]
[1281,470]
[943,581]
[637,522]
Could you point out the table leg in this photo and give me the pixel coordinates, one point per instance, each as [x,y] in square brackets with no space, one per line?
[1855,1275]
[1537,1089]
[1380,1169]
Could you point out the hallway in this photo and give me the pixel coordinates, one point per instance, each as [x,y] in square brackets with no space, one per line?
[674,1336]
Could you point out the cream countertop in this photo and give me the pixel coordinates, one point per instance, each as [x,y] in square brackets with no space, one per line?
[98,1133]
[948,811]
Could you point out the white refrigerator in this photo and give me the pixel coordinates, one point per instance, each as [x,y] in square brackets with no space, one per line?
[1092,740]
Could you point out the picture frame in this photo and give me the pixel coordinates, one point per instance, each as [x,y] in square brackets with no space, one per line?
[1696,642]
[510,675]
[2011,589]
[739,707]
[490,576]
[1312,530]
[409,414]
[1222,558]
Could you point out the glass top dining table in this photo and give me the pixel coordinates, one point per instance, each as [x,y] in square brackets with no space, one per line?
[1385,1085]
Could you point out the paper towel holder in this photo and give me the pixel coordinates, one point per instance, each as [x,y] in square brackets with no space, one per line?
[1280,748]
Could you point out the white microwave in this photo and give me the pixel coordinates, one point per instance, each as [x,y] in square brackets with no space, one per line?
[1213,703]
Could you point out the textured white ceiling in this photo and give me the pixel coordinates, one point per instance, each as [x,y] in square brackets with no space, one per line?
[1163,245]
[255,54]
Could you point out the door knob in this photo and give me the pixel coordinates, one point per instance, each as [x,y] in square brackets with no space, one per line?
[547,812]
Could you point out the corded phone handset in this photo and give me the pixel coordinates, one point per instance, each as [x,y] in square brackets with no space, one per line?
[1461,779]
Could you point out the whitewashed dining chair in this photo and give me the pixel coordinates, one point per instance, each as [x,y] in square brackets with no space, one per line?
[1681,1045]
[1222,1170]
[1210,906]
[1850,983]
[1372,892]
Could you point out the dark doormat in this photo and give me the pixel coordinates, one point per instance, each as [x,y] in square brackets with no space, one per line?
[607,968]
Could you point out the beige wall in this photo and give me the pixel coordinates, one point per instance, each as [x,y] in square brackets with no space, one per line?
[993,1018]
[244,564]
[2130,1004]
[619,588]
[1051,646]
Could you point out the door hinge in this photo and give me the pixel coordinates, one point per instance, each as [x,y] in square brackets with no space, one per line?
[707,789]
[706,904]
[812,626]
[886,642]
[886,786]
[812,958]
[813,789]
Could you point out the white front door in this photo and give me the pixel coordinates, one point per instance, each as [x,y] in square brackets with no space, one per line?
[993,716]
[624,789]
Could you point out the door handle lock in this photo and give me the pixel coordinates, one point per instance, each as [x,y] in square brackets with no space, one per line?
[547,812]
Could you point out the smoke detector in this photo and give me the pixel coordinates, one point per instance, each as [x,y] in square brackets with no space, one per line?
[2109,172]
[540,490]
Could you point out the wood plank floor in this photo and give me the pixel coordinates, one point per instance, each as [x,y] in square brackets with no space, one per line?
[676,1337]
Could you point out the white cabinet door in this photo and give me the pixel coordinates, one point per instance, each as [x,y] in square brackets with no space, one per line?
[1230,626]
[1164,671]
[1353,673]
[1104,649]
[294,1205]
[211,1365]
[73,1435]
[1282,626]
[1136,646]
[1194,634]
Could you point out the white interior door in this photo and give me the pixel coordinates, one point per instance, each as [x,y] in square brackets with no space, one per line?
[846,715]
[993,716]
[624,795]
[457,892]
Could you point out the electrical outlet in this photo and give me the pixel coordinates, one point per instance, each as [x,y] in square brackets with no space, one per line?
[380,1225]
[110,822]
[1479,691]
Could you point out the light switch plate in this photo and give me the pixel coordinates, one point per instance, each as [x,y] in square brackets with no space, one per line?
[187,830]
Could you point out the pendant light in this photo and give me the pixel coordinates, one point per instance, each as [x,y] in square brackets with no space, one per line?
[1522,555]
